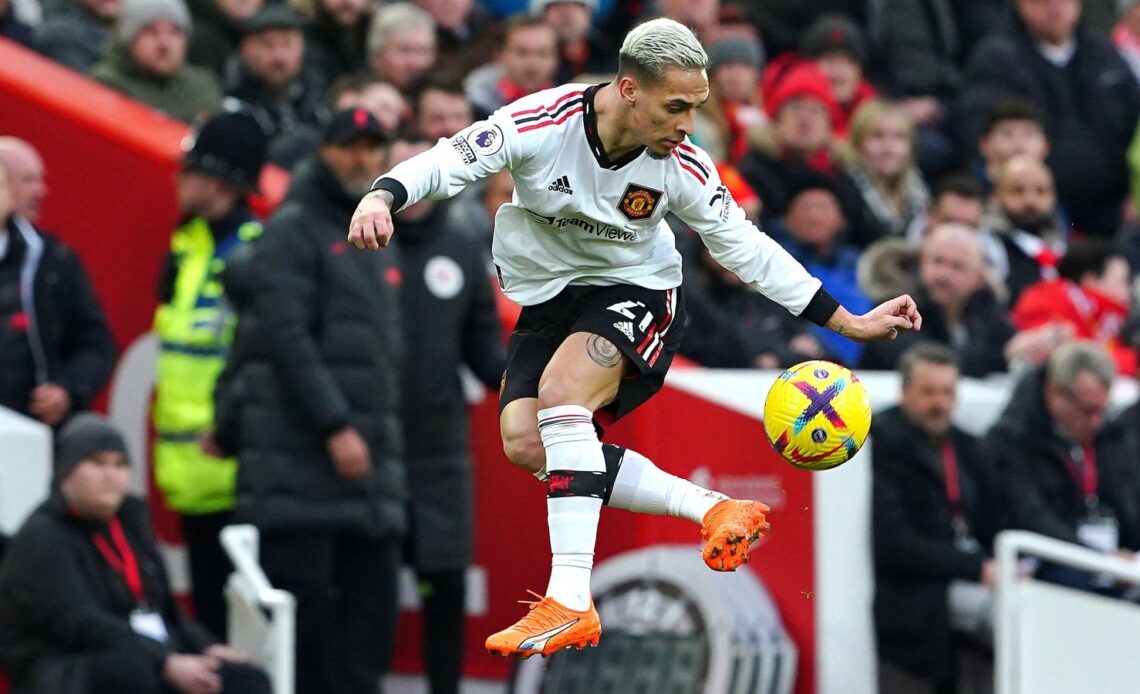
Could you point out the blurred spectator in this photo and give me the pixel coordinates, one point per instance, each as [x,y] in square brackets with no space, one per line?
[76,33]
[85,603]
[147,61]
[734,106]
[812,230]
[800,143]
[1126,35]
[958,307]
[783,22]
[1024,235]
[837,46]
[916,52]
[1100,15]
[957,198]
[450,321]
[372,94]
[1092,296]
[1083,88]
[884,171]
[702,16]
[315,426]
[439,107]
[1013,128]
[582,49]
[401,43]
[465,33]
[937,503]
[26,178]
[270,76]
[336,35]
[978,18]
[12,28]
[733,326]
[56,351]
[1069,475]
[218,27]
[195,327]
[525,65]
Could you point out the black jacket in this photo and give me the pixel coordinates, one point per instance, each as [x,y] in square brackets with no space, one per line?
[69,343]
[60,600]
[317,349]
[916,47]
[987,328]
[1090,107]
[449,321]
[1032,455]
[915,553]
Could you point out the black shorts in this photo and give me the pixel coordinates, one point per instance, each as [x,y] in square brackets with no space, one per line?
[646,325]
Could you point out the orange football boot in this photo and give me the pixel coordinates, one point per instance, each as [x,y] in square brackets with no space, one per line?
[546,628]
[729,528]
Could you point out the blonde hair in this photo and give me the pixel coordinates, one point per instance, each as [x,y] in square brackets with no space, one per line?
[652,48]
[870,113]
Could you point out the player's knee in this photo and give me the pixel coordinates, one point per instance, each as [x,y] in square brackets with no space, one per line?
[556,390]
[525,451]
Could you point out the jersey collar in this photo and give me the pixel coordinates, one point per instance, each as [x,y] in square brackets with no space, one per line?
[590,122]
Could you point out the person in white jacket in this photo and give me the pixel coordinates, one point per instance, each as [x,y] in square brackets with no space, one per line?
[584,248]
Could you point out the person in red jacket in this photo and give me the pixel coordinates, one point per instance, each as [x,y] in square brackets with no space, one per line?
[1091,296]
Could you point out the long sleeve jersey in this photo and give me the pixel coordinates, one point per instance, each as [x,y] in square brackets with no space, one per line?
[579,217]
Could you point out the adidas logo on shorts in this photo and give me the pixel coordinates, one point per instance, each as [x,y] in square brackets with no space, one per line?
[626,328]
[562,185]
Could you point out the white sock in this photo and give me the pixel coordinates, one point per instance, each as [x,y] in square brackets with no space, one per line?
[643,487]
[572,446]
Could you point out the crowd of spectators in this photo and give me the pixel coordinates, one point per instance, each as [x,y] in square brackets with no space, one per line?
[980,155]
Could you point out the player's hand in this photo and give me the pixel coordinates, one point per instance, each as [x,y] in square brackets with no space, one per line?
[883,321]
[350,454]
[371,226]
[50,403]
[226,653]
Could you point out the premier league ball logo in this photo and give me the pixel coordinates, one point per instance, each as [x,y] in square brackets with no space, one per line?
[486,140]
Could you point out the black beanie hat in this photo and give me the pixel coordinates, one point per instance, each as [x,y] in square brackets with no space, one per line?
[230,146]
[84,435]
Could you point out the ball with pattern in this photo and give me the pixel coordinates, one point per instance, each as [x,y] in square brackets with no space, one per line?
[817,415]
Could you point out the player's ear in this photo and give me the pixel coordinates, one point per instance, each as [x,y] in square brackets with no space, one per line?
[628,87]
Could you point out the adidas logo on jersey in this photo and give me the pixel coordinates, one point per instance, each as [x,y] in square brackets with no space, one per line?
[626,328]
[562,185]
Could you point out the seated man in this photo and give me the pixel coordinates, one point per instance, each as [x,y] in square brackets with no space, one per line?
[85,603]
[937,504]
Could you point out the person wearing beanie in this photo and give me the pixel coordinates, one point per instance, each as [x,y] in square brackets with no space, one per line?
[734,107]
[835,44]
[146,60]
[86,606]
[801,142]
[582,50]
[195,328]
[270,76]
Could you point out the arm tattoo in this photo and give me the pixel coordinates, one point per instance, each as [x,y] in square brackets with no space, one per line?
[603,352]
[838,328]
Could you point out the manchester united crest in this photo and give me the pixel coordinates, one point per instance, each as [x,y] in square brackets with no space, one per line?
[638,202]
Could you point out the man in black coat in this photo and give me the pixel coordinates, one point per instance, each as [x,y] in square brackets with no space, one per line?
[56,351]
[936,507]
[1070,475]
[85,603]
[310,405]
[449,321]
[1083,87]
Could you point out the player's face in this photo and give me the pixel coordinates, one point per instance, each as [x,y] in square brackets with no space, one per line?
[1079,410]
[928,397]
[665,112]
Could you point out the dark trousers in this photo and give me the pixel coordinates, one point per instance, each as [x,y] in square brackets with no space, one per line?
[121,671]
[443,594]
[345,585]
[210,567]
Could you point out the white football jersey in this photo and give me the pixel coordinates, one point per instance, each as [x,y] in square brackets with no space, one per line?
[579,218]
